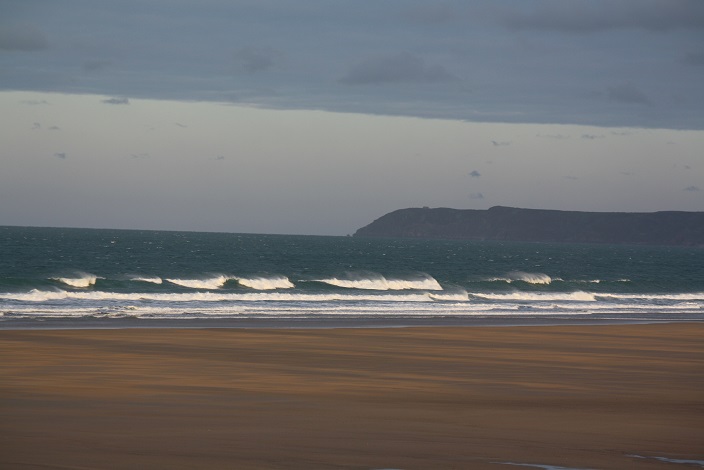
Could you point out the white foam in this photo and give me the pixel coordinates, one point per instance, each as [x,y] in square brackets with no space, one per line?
[266,283]
[566,301]
[458,296]
[374,281]
[207,283]
[276,309]
[531,278]
[150,279]
[81,280]
[41,296]
[694,296]
[538,296]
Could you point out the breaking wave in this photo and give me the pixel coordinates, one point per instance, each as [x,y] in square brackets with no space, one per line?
[458,296]
[215,282]
[36,295]
[150,279]
[266,283]
[373,281]
[530,278]
[253,282]
[224,303]
[538,296]
[80,280]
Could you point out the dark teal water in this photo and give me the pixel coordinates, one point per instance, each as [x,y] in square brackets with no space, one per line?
[53,273]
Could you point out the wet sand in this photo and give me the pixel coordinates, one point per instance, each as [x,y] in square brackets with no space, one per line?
[408,398]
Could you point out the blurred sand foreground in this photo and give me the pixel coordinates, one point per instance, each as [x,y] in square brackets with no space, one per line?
[408,398]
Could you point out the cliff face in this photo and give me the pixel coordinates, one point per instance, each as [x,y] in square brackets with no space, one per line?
[507,223]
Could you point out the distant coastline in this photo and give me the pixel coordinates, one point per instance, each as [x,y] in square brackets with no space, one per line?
[670,228]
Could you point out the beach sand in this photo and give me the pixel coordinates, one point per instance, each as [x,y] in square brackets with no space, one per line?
[405,398]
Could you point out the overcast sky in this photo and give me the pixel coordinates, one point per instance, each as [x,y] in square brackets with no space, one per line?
[318,116]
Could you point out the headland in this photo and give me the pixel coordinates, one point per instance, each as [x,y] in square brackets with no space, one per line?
[534,225]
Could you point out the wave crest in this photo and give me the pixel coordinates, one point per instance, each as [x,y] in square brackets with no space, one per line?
[266,283]
[36,295]
[373,281]
[150,279]
[579,296]
[457,296]
[215,282]
[80,280]
[530,278]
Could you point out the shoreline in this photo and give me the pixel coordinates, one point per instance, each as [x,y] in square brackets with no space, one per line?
[344,322]
[572,396]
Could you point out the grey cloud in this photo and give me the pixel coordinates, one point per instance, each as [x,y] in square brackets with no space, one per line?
[627,93]
[256,59]
[54,128]
[95,65]
[36,126]
[431,14]
[590,16]
[460,62]
[504,143]
[592,136]
[570,177]
[694,58]
[181,125]
[476,196]
[395,68]
[61,155]
[692,189]
[34,102]
[139,156]
[117,101]
[22,37]
[475,174]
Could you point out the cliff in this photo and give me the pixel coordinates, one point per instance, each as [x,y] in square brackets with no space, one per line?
[507,223]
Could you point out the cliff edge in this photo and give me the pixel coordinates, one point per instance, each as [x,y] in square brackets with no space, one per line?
[508,223]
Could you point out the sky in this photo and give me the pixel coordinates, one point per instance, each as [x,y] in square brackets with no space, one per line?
[317,117]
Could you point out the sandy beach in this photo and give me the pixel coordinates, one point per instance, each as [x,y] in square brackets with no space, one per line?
[599,397]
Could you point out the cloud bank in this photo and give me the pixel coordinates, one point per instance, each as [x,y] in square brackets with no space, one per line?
[631,63]
[22,37]
[395,68]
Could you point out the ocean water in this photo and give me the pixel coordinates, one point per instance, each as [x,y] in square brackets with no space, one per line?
[74,277]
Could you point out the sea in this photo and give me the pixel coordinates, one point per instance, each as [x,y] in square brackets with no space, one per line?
[99,278]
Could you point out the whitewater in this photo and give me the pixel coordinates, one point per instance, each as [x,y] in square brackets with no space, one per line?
[69,276]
